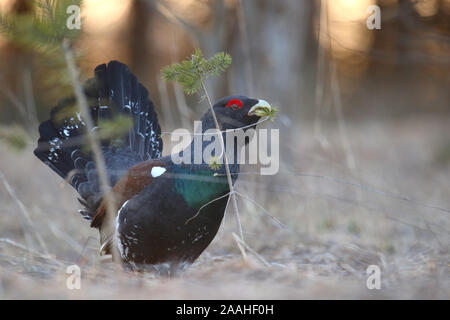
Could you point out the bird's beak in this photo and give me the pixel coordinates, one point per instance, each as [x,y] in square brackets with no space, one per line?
[261,109]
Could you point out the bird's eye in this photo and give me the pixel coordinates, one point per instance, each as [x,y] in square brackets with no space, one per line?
[234,104]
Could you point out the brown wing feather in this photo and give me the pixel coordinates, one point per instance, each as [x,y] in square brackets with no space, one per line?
[134,180]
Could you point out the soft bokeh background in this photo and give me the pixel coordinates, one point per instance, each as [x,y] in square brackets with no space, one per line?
[364,148]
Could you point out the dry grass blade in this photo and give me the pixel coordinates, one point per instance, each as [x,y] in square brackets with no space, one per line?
[277,222]
[24,211]
[226,163]
[208,203]
[241,243]
[26,249]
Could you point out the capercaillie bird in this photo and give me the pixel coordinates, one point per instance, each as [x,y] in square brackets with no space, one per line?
[156,198]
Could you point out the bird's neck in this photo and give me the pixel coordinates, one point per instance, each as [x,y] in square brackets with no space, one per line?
[200,179]
[206,149]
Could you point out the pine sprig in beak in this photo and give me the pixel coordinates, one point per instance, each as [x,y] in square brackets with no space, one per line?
[263,110]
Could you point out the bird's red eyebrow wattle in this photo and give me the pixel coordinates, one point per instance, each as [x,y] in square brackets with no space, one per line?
[234,102]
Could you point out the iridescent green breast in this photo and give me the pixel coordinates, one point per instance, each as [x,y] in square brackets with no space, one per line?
[198,187]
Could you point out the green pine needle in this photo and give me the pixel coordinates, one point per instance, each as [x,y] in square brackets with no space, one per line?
[115,128]
[44,28]
[264,112]
[112,130]
[14,137]
[214,163]
[189,73]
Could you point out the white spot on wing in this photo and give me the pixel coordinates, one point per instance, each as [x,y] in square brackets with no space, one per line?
[157,171]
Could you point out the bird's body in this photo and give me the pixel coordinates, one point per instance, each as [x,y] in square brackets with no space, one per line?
[180,232]
[168,213]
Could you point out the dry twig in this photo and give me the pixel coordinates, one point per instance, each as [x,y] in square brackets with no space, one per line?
[92,138]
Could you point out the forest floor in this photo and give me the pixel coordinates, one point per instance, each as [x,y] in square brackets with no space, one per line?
[376,194]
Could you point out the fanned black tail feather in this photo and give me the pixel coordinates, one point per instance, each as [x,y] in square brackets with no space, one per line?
[63,145]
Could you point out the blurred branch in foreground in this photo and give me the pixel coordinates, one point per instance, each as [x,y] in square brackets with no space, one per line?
[45,32]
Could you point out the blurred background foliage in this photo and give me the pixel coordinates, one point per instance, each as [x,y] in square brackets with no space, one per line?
[363,118]
[289,52]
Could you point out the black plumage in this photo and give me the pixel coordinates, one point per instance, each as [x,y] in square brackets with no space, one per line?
[167,215]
